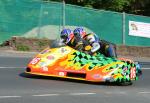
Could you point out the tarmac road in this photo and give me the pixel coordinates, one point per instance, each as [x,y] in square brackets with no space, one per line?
[15,87]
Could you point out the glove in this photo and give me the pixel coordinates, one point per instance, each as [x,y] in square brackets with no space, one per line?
[87,48]
[79,46]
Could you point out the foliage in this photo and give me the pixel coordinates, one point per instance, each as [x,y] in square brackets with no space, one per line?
[42,43]
[21,47]
[140,7]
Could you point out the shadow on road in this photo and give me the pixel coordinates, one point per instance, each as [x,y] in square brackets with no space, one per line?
[32,76]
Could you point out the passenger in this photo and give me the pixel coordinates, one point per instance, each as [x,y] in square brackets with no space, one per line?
[108,49]
[96,44]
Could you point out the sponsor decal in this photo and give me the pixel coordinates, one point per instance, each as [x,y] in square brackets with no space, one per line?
[45,69]
[141,29]
[124,70]
[96,76]
[63,50]
[61,74]
[127,76]
[35,61]
[133,73]
[50,57]
[41,64]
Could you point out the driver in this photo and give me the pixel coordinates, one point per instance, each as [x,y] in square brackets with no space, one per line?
[90,39]
[68,38]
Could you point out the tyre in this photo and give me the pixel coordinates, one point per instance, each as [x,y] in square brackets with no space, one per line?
[125,83]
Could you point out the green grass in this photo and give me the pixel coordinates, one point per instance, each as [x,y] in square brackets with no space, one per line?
[21,47]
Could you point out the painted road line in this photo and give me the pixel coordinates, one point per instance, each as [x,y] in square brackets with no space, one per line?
[145,68]
[122,93]
[11,67]
[82,93]
[10,97]
[45,95]
[144,92]
[116,92]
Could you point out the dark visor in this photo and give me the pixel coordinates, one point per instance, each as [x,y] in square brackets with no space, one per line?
[64,36]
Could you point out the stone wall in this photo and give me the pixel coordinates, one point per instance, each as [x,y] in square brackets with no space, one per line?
[133,51]
[29,44]
[33,44]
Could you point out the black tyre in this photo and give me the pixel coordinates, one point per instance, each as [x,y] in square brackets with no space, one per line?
[126,83]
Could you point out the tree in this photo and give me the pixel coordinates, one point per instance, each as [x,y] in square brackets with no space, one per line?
[140,7]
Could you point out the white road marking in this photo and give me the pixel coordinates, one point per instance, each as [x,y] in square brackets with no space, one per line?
[11,67]
[82,93]
[122,93]
[74,94]
[144,92]
[145,68]
[45,95]
[115,92]
[9,97]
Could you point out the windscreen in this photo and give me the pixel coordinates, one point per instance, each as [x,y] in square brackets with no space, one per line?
[57,43]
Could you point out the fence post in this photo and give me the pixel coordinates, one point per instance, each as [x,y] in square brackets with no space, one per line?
[124,28]
[63,14]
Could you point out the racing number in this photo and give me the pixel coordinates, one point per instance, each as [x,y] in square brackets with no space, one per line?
[133,73]
[35,61]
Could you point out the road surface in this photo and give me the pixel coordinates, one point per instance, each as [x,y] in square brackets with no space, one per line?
[15,87]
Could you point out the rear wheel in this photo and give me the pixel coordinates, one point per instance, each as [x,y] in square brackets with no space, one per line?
[126,83]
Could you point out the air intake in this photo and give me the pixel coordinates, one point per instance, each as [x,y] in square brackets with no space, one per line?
[28,69]
[76,75]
